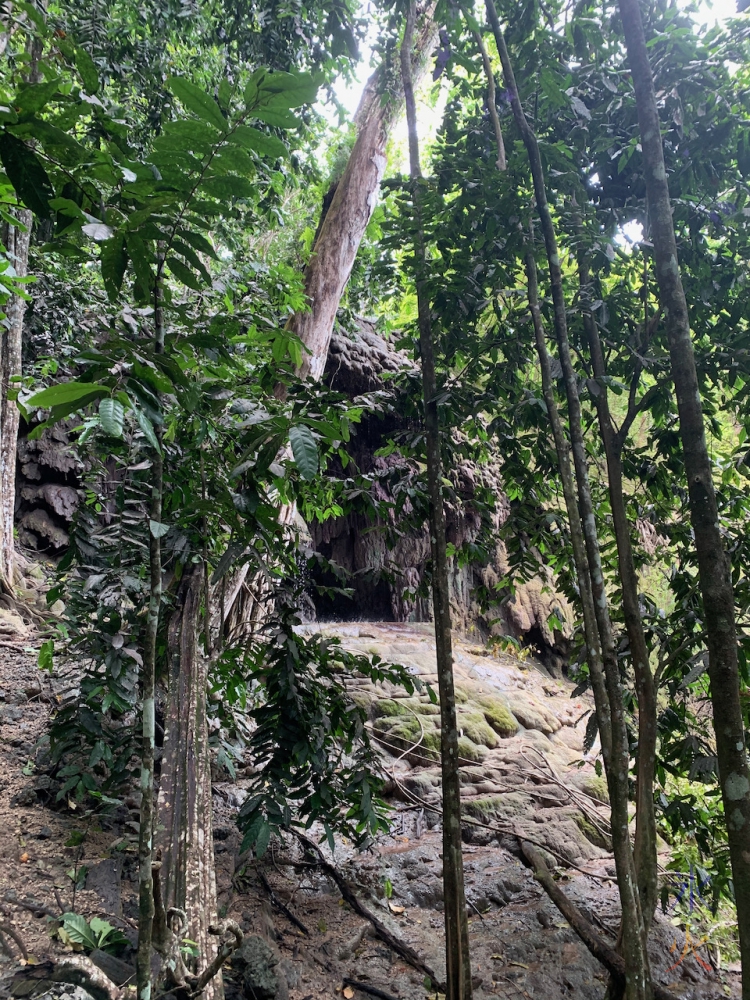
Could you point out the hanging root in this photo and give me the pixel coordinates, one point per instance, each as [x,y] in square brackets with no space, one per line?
[232,939]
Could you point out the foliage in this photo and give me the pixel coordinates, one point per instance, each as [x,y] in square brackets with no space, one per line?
[83,935]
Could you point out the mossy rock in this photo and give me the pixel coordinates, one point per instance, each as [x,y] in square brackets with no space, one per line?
[592,833]
[499,717]
[475,726]
[595,786]
[462,694]
[496,808]
[405,732]
[469,750]
[389,708]
[364,700]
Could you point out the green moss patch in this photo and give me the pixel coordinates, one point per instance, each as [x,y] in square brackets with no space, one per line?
[499,716]
[475,726]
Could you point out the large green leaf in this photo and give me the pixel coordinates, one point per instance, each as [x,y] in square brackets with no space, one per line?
[26,174]
[64,393]
[197,101]
[305,450]
[287,90]
[87,70]
[78,930]
[114,260]
[184,274]
[259,142]
[111,416]
[34,97]
[229,186]
[198,241]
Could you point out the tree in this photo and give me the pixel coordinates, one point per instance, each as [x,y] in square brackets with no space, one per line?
[714,567]
[457,957]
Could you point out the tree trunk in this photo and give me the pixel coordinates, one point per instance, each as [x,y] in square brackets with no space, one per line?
[562,448]
[714,569]
[457,958]
[185,817]
[148,684]
[353,203]
[17,247]
[638,978]
[645,830]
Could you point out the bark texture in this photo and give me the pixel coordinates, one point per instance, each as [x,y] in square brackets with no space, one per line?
[148,685]
[457,958]
[185,837]
[713,565]
[353,203]
[17,247]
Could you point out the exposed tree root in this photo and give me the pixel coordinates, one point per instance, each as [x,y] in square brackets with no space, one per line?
[372,991]
[400,947]
[282,906]
[603,952]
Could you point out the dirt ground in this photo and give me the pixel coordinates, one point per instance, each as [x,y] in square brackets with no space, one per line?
[521,947]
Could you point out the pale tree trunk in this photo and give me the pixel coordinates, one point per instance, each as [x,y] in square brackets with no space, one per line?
[17,247]
[353,203]
[185,816]
[457,958]
[714,568]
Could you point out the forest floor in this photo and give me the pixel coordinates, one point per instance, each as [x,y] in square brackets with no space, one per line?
[55,858]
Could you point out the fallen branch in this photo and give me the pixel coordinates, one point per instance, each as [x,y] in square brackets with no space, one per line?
[400,947]
[373,991]
[611,960]
[38,909]
[282,906]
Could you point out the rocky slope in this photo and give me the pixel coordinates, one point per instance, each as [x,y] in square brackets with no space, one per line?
[525,772]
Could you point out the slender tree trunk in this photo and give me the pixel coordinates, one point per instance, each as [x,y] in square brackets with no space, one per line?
[638,977]
[645,830]
[17,247]
[185,837]
[148,684]
[714,568]
[562,448]
[354,201]
[457,958]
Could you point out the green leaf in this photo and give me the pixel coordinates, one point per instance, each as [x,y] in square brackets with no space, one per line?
[88,71]
[35,97]
[46,653]
[198,241]
[184,274]
[228,187]
[252,138]
[278,117]
[26,174]
[111,416]
[114,261]
[305,451]
[65,392]
[148,429]
[287,90]
[78,930]
[197,101]
[157,529]
[262,840]
[192,258]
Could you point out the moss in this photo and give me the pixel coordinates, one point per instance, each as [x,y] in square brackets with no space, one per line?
[363,700]
[495,808]
[405,732]
[592,833]
[389,708]
[499,716]
[596,787]
[474,725]
[469,750]
[462,695]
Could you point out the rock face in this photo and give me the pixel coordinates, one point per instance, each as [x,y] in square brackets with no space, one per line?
[385,563]
[46,493]
[520,741]
[258,962]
